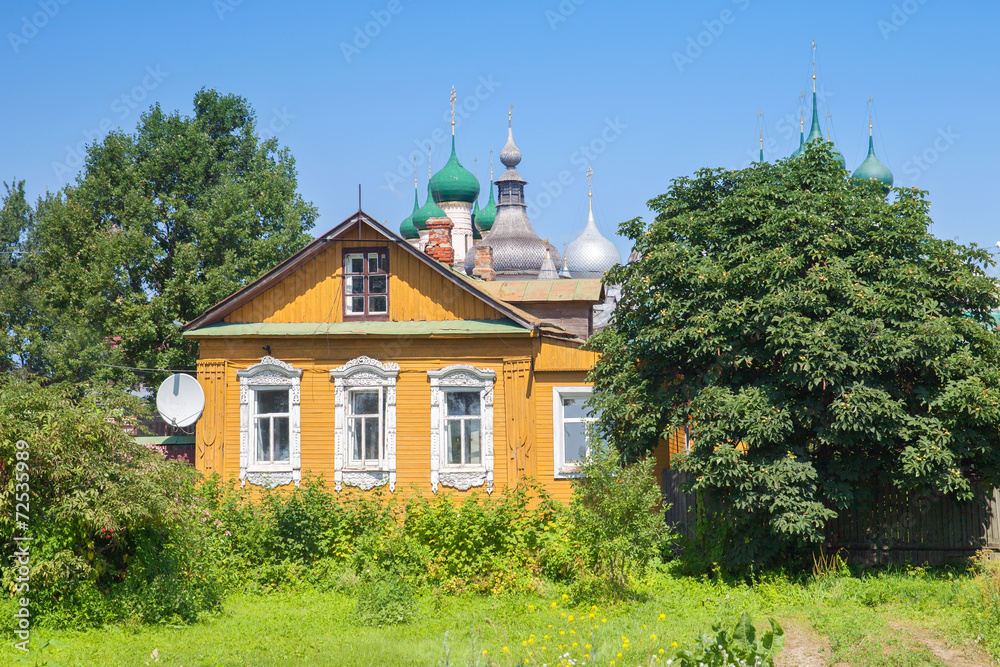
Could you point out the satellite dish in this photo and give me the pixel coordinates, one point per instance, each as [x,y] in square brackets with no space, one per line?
[180,400]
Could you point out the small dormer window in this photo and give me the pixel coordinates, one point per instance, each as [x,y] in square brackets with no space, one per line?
[366,283]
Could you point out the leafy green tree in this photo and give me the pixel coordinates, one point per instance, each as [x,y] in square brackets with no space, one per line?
[813,335]
[160,224]
[16,217]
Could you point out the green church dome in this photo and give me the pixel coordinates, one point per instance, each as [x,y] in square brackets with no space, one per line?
[802,145]
[454,182]
[406,229]
[838,156]
[816,134]
[873,168]
[488,214]
[427,211]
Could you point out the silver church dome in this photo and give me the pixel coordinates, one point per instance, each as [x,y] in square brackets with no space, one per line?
[518,253]
[590,254]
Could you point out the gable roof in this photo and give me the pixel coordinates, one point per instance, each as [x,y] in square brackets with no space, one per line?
[216,313]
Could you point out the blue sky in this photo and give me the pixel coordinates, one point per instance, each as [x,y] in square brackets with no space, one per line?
[641,92]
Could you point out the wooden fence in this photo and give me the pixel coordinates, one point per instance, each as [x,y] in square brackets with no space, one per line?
[895,528]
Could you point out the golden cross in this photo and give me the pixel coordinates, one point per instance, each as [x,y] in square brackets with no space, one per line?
[508,114]
[491,165]
[802,111]
[590,175]
[814,65]
[871,102]
[453,109]
[829,124]
[428,161]
[760,126]
[414,172]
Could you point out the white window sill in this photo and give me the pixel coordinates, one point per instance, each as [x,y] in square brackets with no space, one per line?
[465,469]
[261,467]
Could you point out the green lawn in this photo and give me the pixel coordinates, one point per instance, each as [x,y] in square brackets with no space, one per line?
[859,618]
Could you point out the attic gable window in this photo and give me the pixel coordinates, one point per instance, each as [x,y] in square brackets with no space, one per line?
[366,283]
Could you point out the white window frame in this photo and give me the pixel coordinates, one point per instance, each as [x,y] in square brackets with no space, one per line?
[562,470]
[461,377]
[269,374]
[365,373]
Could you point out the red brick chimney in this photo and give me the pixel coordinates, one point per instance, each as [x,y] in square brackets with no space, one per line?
[439,240]
[484,263]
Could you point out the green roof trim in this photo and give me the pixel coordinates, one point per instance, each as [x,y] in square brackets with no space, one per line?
[502,327]
[165,439]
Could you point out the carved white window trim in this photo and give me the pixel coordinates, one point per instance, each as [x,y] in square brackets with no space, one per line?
[270,373]
[358,373]
[562,469]
[462,477]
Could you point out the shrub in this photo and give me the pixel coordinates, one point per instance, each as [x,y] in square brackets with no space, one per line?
[116,533]
[487,543]
[985,616]
[739,647]
[385,598]
[617,514]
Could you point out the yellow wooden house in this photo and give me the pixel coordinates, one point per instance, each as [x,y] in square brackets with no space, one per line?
[367,361]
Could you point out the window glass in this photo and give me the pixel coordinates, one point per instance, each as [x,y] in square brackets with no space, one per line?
[377,284]
[280,438]
[575,408]
[358,439]
[455,443]
[462,403]
[263,440]
[271,401]
[371,438]
[373,262]
[355,263]
[377,304]
[574,441]
[364,402]
[473,452]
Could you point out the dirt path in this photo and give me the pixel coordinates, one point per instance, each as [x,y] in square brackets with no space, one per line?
[804,647]
[948,653]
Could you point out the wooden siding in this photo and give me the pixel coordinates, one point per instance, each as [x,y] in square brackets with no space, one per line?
[564,355]
[315,293]
[561,489]
[522,418]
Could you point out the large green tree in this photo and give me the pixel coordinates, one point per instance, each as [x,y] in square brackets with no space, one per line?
[16,217]
[160,224]
[813,335]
